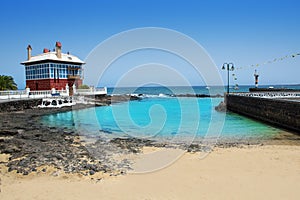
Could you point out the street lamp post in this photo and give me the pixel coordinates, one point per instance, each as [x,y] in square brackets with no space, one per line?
[228,67]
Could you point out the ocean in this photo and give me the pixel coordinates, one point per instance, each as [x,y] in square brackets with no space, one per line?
[161,116]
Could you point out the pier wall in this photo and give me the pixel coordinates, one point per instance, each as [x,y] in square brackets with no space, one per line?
[278,112]
[17,105]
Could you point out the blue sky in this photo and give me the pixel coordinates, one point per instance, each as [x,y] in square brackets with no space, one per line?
[244,32]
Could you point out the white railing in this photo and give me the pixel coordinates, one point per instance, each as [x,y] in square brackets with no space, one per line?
[13,94]
[47,93]
[269,94]
[91,91]
[24,94]
[83,90]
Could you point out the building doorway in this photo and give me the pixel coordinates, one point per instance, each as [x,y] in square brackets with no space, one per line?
[71,92]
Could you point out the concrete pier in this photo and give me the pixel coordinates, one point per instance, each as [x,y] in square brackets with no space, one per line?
[277,108]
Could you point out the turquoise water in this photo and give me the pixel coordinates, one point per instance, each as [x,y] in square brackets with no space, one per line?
[163,118]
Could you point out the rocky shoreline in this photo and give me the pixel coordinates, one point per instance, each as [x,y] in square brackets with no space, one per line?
[32,146]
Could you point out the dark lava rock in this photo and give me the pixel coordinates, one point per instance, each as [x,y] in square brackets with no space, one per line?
[31,144]
[91,172]
[221,107]
[8,132]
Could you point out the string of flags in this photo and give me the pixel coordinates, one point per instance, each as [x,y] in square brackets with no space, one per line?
[270,61]
[234,77]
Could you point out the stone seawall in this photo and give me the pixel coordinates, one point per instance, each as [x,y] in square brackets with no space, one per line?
[99,100]
[278,112]
[17,105]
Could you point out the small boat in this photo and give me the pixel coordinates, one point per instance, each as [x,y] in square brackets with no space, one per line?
[207,87]
[56,103]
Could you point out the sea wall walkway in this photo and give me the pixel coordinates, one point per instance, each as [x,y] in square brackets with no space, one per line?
[278,108]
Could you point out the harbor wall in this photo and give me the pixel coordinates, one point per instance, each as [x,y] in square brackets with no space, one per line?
[282,113]
[17,105]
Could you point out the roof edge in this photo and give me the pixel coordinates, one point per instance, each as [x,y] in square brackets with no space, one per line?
[27,62]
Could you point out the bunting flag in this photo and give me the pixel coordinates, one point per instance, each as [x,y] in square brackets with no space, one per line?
[234,77]
[270,61]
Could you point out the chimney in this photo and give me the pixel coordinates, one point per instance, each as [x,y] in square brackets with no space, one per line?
[45,50]
[58,49]
[29,52]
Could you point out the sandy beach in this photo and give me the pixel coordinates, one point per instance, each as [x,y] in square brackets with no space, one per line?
[250,172]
